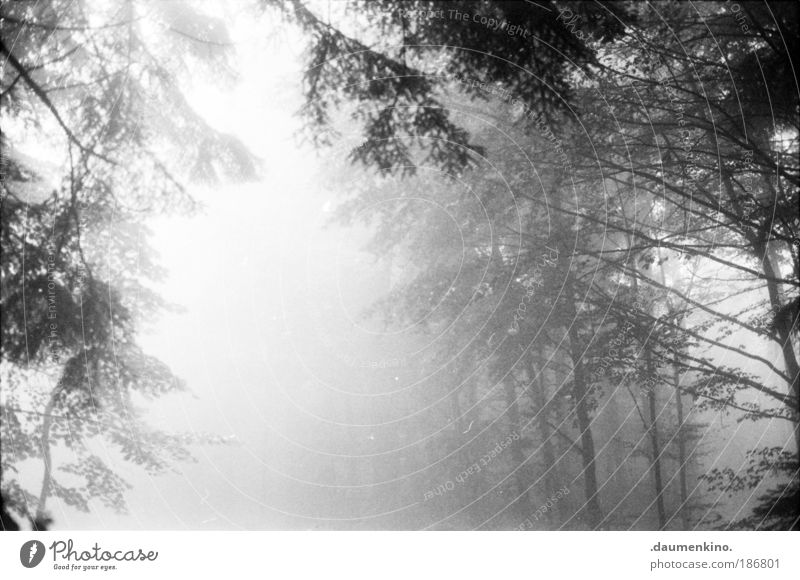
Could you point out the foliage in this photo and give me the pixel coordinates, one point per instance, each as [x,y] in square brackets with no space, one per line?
[97,93]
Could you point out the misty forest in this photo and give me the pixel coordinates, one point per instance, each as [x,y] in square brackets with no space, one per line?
[400,265]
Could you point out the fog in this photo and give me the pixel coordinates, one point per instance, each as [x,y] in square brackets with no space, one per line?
[365,349]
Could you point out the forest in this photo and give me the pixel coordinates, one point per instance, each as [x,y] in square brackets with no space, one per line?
[555,283]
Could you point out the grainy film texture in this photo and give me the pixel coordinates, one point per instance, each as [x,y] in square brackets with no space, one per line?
[399,265]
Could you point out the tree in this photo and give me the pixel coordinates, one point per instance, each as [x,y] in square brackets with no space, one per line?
[692,135]
[100,94]
[667,155]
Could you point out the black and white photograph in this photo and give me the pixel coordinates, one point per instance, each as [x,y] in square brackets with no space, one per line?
[399,265]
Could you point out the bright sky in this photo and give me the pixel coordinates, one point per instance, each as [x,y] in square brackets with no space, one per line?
[241,271]
[222,270]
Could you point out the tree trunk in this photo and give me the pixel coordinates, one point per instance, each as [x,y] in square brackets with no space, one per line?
[580,394]
[656,448]
[763,248]
[684,497]
[652,429]
[47,478]
[517,455]
[540,400]
[783,329]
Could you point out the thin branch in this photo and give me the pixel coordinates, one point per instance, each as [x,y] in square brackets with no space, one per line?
[42,95]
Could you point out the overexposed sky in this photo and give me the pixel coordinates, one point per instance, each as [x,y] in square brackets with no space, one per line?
[249,273]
